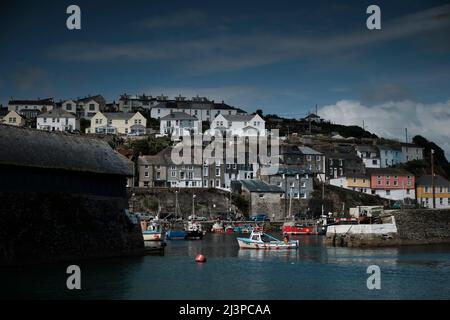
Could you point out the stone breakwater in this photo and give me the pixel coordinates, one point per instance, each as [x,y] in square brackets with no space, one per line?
[41,228]
[408,227]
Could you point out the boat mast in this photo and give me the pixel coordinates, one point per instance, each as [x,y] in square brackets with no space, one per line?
[290,203]
[193,206]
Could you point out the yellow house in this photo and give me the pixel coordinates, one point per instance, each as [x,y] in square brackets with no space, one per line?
[359,182]
[424,191]
[14,119]
[118,123]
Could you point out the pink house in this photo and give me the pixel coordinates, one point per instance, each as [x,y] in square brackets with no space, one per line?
[392,183]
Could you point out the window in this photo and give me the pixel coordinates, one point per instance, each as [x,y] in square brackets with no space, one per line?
[408,191]
[379,182]
[217,171]
[205,171]
[190,175]
[69,106]
[374,162]
[158,175]
[173,167]
[126,121]
[146,184]
[427,189]
[303,185]
[91,107]
[45,120]
[388,192]
[146,174]
[395,183]
[388,183]
[126,130]
[217,183]
[173,174]
[441,200]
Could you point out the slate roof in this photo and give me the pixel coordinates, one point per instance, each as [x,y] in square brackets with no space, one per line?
[387,171]
[260,186]
[47,102]
[239,117]
[292,171]
[308,150]
[179,116]
[57,113]
[162,158]
[438,181]
[118,115]
[48,150]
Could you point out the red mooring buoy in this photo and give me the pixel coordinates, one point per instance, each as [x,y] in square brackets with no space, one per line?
[200,258]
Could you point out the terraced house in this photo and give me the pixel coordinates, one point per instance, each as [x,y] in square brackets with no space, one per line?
[31,108]
[160,106]
[118,123]
[424,192]
[160,171]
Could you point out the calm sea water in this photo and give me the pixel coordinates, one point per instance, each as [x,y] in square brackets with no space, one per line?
[315,271]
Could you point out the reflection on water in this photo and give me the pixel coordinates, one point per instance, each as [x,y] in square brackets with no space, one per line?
[314,271]
[287,255]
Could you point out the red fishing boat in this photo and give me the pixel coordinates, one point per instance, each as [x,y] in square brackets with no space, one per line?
[295,228]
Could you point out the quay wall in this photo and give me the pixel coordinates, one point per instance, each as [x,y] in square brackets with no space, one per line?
[43,228]
[409,227]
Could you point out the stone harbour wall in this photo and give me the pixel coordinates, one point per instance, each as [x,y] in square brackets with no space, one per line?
[414,227]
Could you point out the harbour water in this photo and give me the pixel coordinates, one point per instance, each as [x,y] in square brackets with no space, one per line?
[315,271]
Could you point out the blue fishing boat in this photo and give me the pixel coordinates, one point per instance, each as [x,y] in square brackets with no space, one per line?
[175,235]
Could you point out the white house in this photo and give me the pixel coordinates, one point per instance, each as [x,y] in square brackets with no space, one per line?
[31,108]
[118,123]
[12,118]
[57,120]
[69,106]
[160,106]
[179,124]
[241,125]
[370,155]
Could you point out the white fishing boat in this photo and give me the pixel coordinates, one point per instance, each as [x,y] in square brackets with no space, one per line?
[217,227]
[261,240]
[194,231]
[154,232]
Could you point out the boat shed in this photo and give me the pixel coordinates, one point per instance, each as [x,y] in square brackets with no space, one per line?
[47,162]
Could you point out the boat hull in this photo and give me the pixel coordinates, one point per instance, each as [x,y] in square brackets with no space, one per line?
[245,243]
[176,235]
[294,230]
[152,236]
[194,235]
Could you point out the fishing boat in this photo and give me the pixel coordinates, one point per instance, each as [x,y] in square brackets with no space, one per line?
[294,228]
[175,235]
[261,240]
[194,231]
[229,229]
[217,227]
[154,232]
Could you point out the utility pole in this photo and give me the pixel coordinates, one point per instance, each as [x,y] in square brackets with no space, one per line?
[432,179]
[364,126]
[406,135]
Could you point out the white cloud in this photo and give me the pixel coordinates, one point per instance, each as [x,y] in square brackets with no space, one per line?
[390,119]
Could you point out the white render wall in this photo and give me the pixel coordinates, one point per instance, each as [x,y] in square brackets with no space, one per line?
[57,124]
[368,229]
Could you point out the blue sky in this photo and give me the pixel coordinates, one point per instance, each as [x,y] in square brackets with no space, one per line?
[281,56]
